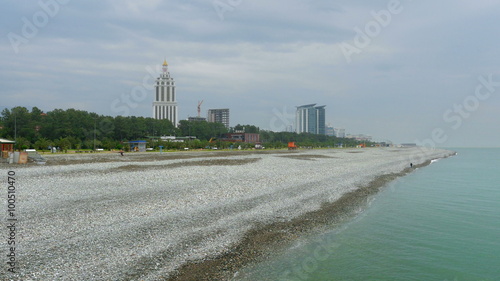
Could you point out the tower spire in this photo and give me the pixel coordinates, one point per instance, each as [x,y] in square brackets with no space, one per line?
[165,66]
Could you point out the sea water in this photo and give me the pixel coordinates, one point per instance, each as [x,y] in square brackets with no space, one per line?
[441,222]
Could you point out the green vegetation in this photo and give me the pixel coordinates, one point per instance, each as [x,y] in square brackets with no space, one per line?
[202,130]
[80,130]
[76,129]
[281,139]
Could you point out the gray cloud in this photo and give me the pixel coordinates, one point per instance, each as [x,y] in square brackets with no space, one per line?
[264,56]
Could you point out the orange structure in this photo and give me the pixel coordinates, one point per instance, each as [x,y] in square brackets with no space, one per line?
[291,145]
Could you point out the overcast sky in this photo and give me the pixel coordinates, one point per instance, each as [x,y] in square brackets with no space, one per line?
[405,71]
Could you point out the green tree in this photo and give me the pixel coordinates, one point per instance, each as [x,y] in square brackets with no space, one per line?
[108,143]
[18,123]
[22,143]
[63,143]
[42,144]
[201,129]
[246,128]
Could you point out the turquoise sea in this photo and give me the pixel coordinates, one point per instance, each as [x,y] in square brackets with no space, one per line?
[441,222]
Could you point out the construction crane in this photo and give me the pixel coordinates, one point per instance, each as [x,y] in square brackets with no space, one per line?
[199,107]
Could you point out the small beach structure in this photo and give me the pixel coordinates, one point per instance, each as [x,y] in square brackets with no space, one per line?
[33,156]
[138,145]
[6,147]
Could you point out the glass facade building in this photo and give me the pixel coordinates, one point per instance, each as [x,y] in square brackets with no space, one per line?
[310,118]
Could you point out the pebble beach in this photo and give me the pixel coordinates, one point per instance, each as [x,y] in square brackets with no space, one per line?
[170,216]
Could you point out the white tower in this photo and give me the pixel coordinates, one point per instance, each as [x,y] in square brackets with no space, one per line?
[165,104]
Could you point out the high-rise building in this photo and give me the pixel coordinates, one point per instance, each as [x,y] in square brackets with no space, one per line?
[165,104]
[219,116]
[310,119]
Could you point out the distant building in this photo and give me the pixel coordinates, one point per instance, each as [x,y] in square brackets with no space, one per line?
[219,116]
[197,119]
[339,132]
[383,144]
[177,139]
[242,137]
[165,104]
[359,137]
[310,119]
[330,131]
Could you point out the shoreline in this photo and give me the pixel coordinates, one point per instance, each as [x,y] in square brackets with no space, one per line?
[191,216]
[255,245]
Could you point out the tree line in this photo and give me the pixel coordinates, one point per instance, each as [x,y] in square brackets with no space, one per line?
[78,129]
